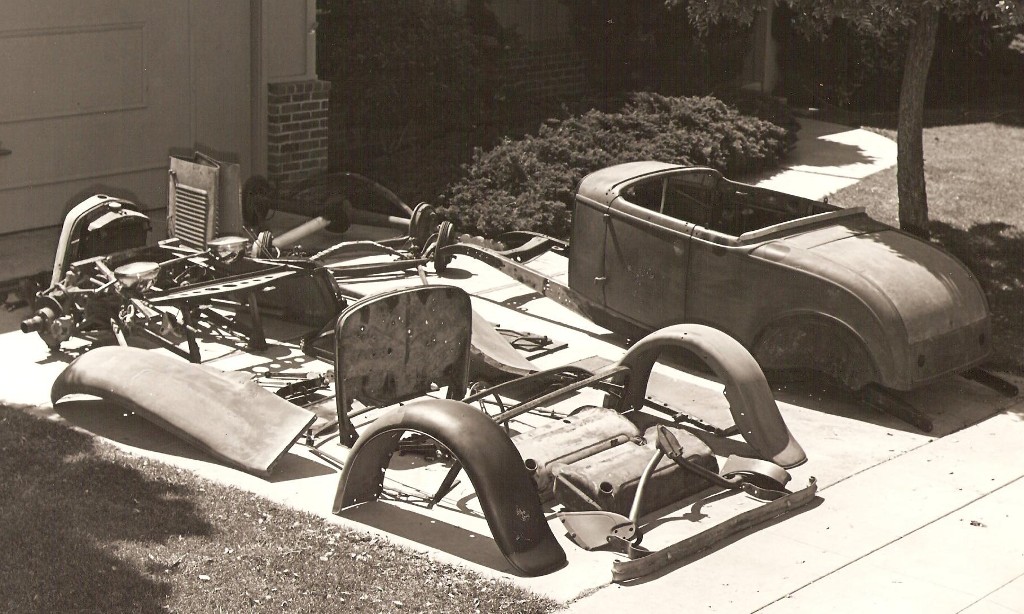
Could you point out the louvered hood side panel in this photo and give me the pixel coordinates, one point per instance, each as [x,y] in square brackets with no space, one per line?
[193,208]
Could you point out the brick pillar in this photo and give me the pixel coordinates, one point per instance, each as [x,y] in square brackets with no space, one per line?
[296,131]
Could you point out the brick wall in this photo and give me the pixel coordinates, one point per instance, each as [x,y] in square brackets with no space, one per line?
[296,131]
[545,71]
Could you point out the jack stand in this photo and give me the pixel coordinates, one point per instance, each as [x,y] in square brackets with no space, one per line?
[992,381]
[885,401]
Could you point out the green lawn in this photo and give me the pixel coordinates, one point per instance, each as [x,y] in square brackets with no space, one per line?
[975,179]
[87,528]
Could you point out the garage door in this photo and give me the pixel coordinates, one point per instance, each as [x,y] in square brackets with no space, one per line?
[95,94]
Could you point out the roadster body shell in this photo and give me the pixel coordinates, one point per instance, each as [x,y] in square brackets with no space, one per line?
[802,283]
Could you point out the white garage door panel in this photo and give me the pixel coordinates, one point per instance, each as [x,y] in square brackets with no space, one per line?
[72,71]
[96,93]
[97,146]
[45,205]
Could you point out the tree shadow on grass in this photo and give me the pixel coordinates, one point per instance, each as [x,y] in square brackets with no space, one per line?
[994,252]
[67,509]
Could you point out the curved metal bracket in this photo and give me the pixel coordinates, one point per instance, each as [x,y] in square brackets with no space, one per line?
[750,398]
[495,468]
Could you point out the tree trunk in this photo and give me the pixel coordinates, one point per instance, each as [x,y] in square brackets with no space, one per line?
[909,147]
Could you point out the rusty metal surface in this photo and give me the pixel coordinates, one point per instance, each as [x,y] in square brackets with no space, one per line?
[748,260]
[750,398]
[610,477]
[588,431]
[560,293]
[922,282]
[495,468]
[603,185]
[493,359]
[623,571]
[234,420]
[393,346]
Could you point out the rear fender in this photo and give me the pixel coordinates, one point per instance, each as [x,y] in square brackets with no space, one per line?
[507,494]
[750,398]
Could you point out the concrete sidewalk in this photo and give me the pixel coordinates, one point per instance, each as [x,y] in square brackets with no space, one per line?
[882,484]
[827,158]
[936,529]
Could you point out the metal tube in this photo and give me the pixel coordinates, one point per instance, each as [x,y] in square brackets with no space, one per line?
[634,512]
[300,232]
[557,394]
[369,218]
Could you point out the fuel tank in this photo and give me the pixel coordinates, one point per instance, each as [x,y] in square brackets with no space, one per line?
[610,477]
[588,431]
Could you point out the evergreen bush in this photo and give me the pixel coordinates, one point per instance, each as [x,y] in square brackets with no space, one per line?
[528,183]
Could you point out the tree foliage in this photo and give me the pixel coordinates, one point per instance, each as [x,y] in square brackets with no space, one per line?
[917,21]
[880,18]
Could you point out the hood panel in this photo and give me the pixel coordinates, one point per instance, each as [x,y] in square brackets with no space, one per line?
[933,292]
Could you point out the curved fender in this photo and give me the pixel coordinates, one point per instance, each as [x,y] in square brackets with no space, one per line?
[507,494]
[223,414]
[750,398]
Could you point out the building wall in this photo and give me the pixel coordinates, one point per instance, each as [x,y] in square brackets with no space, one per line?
[296,130]
[290,41]
[534,21]
[543,62]
[297,102]
[221,81]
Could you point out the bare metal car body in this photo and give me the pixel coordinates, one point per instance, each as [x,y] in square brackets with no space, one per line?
[802,283]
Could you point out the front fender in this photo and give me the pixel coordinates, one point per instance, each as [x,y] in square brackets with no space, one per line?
[507,494]
[223,414]
[750,398]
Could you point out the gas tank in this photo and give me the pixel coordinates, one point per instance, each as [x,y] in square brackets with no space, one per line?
[588,431]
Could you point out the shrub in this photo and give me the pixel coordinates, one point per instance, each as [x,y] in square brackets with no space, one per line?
[761,106]
[527,184]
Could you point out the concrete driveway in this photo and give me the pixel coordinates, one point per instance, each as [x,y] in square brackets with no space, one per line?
[903,521]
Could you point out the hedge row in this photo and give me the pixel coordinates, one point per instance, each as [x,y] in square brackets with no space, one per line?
[527,184]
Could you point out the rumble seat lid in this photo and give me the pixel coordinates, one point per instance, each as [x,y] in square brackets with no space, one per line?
[932,291]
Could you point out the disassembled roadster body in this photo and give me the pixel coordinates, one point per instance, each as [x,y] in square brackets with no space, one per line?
[802,284]
[602,467]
